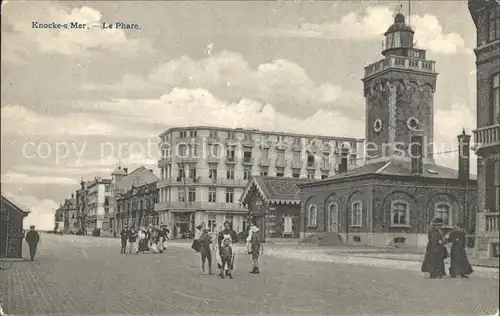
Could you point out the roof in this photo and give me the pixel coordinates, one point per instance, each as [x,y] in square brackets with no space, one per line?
[256,131]
[138,177]
[119,172]
[13,206]
[138,191]
[278,190]
[397,167]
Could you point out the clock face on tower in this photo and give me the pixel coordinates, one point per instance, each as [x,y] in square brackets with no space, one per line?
[377,125]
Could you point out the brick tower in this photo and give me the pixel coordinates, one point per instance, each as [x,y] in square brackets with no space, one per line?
[399,93]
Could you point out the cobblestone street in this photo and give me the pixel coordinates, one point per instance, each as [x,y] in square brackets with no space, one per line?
[75,275]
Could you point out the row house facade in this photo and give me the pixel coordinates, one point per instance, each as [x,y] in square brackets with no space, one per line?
[70,215]
[136,206]
[204,170]
[96,210]
[486,17]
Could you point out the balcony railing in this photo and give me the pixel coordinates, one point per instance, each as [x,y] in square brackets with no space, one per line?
[212,159]
[296,146]
[400,63]
[248,161]
[491,224]
[488,136]
[199,180]
[296,164]
[280,163]
[326,166]
[264,161]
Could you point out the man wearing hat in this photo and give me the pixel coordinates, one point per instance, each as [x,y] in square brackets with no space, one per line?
[436,251]
[32,238]
[124,237]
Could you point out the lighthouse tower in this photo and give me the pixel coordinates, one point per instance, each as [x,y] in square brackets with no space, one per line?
[399,93]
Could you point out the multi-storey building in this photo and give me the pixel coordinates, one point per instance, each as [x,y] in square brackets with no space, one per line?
[97,206]
[123,184]
[486,17]
[70,215]
[136,206]
[204,170]
[59,219]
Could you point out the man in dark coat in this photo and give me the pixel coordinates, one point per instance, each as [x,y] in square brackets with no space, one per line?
[32,238]
[435,252]
[459,263]
[124,237]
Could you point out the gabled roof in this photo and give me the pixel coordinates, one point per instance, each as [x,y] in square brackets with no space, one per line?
[277,190]
[397,167]
[138,177]
[13,206]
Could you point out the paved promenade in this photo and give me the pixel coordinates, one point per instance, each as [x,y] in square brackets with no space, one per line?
[76,275]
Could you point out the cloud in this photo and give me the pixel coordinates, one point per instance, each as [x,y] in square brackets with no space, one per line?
[375,21]
[448,124]
[19,120]
[281,82]
[20,178]
[21,16]
[41,211]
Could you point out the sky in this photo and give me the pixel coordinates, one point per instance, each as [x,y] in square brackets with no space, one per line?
[74,102]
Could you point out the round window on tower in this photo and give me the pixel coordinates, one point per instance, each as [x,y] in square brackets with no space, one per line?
[412,123]
[377,126]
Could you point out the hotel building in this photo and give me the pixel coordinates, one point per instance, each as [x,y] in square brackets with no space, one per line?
[486,17]
[204,170]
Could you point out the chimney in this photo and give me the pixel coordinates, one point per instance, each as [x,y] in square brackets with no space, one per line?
[343,160]
[416,152]
[463,155]
[126,170]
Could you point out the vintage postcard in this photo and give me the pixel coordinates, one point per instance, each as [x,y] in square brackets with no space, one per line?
[250,157]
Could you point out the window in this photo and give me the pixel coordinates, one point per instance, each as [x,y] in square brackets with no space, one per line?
[312,216]
[280,155]
[229,219]
[232,135]
[192,172]
[182,151]
[296,141]
[181,172]
[400,213]
[310,160]
[296,156]
[212,195]
[247,156]
[230,174]
[495,98]
[213,134]
[324,176]
[182,134]
[230,153]
[229,195]
[397,40]
[443,211]
[193,133]
[356,214]
[212,173]
[211,221]
[214,151]
[246,174]
[310,174]
[181,195]
[280,172]
[264,171]
[106,188]
[248,136]
[194,151]
[295,173]
[192,195]
[494,23]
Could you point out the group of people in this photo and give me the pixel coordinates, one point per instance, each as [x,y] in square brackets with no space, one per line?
[212,242]
[437,251]
[152,238]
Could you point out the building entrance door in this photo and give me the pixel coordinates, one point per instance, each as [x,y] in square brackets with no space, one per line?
[333,218]
[183,224]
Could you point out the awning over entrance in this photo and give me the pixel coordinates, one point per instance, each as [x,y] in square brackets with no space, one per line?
[276,190]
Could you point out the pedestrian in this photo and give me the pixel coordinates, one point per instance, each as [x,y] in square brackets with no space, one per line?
[164,236]
[256,248]
[32,238]
[436,251]
[214,237]
[227,236]
[206,251]
[132,241]
[124,237]
[197,234]
[143,244]
[459,263]
[155,240]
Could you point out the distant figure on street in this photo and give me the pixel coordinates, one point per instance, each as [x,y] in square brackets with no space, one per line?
[124,237]
[178,232]
[256,248]
[459,263]
[32,238]
[436,251]
[205,250]
[132,241]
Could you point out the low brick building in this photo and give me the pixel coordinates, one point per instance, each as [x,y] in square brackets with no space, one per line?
[274,203]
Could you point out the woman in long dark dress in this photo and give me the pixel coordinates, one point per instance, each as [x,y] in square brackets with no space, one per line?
[459,263]
[435,252]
